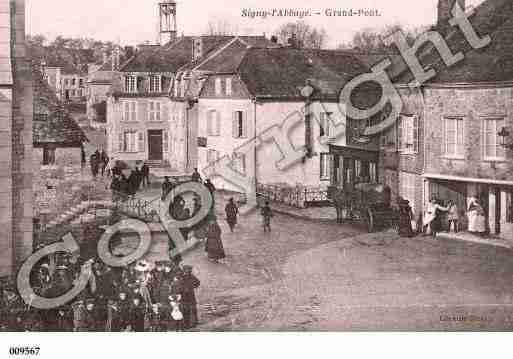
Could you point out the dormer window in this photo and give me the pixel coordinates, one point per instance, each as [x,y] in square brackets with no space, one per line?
[155,83]
[218,87]
[131,84]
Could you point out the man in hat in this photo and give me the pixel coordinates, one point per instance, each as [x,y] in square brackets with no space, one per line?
[189,283]
[121,321]
[137,313]
[145,172]
[266,214]
[79,315]
[93,320]
[231,211]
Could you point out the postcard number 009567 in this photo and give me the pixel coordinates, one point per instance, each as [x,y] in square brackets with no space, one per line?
[24,351]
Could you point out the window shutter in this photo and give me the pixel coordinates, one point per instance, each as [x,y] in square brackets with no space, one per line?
[121,142]
[235,125]
[400,132]
[245,124]
[140,141]
[142,110]
[165,141]
[218,123]
[415,134]
[210,118]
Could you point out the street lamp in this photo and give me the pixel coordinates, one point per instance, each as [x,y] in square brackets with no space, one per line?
[503,135]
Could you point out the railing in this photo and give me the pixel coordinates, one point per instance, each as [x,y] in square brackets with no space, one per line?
[293,196]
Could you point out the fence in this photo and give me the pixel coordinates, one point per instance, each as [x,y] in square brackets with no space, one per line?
[299,197]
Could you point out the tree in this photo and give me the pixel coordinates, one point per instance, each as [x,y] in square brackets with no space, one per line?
[301,35]
[220,27]
[377,39]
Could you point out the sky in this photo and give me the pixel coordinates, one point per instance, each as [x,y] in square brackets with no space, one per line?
[132,22]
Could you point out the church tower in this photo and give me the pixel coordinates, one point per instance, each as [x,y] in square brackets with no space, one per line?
[167,20]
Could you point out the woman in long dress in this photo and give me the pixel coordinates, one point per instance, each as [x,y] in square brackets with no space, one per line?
[405,219]
[214,246]
[432,218]
[476,217]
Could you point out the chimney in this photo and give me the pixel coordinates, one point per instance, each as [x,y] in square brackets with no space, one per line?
[444,11]
[197,48]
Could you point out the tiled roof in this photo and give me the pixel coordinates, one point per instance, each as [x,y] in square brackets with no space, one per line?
[492,63]
[52,122]
[283,72]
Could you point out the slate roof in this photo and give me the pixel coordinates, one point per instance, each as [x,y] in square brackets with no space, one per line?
[283,72]
[52,122]
[490,64]
[175,56]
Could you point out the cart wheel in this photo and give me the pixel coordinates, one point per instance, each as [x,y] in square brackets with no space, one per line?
[370,221]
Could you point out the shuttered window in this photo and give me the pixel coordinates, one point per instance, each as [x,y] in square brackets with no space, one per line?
[130,141]
[155,111]
[155,83]
[129,111]
[131,84]
[140,144]
[228,86]
[240,126]
[408,134]
[218,87]
[325,124]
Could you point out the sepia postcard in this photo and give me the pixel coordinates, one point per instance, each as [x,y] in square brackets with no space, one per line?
[243,166]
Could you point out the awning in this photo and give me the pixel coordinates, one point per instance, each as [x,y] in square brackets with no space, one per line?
[467,179]
[356,153]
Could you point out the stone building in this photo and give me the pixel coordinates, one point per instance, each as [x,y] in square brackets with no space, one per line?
[16,216]
[446,142]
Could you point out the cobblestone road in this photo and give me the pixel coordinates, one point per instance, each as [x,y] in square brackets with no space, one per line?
[313,276]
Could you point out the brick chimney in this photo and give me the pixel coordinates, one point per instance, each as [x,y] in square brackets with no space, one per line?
[444,11]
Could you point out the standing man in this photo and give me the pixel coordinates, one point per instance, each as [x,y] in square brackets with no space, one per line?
[145,172]
[231,214]
[267,214]
[189,304]
[93,161]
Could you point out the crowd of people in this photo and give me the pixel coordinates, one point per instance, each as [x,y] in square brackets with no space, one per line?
[123,186]
[138,297]
[441,217]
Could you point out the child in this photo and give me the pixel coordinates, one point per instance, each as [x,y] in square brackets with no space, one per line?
[267,214]
[453,216]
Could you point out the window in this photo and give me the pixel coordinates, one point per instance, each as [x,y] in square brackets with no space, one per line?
[389,138]
[218,87]
[239,125]
[407,187]
[155,83]
[326,160]
[228,86]
[325,124]
[81,82]
[373,172]
[212,156]
[129,141]
[239,162]
[73,82]
[66,82]
[213,123]
[491,142]
[72,93]
[358,169]
[129,111]
[79,93]
[131,84]
[453,137]
[408,134]
[509,206]
[48,156]
[155,113]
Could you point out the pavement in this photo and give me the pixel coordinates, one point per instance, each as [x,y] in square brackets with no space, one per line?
[311,275]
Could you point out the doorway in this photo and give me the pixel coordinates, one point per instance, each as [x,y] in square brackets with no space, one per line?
[155,150]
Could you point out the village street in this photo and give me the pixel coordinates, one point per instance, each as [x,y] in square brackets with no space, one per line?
[313,276]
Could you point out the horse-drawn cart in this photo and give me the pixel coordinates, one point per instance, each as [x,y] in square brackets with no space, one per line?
[367,203]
